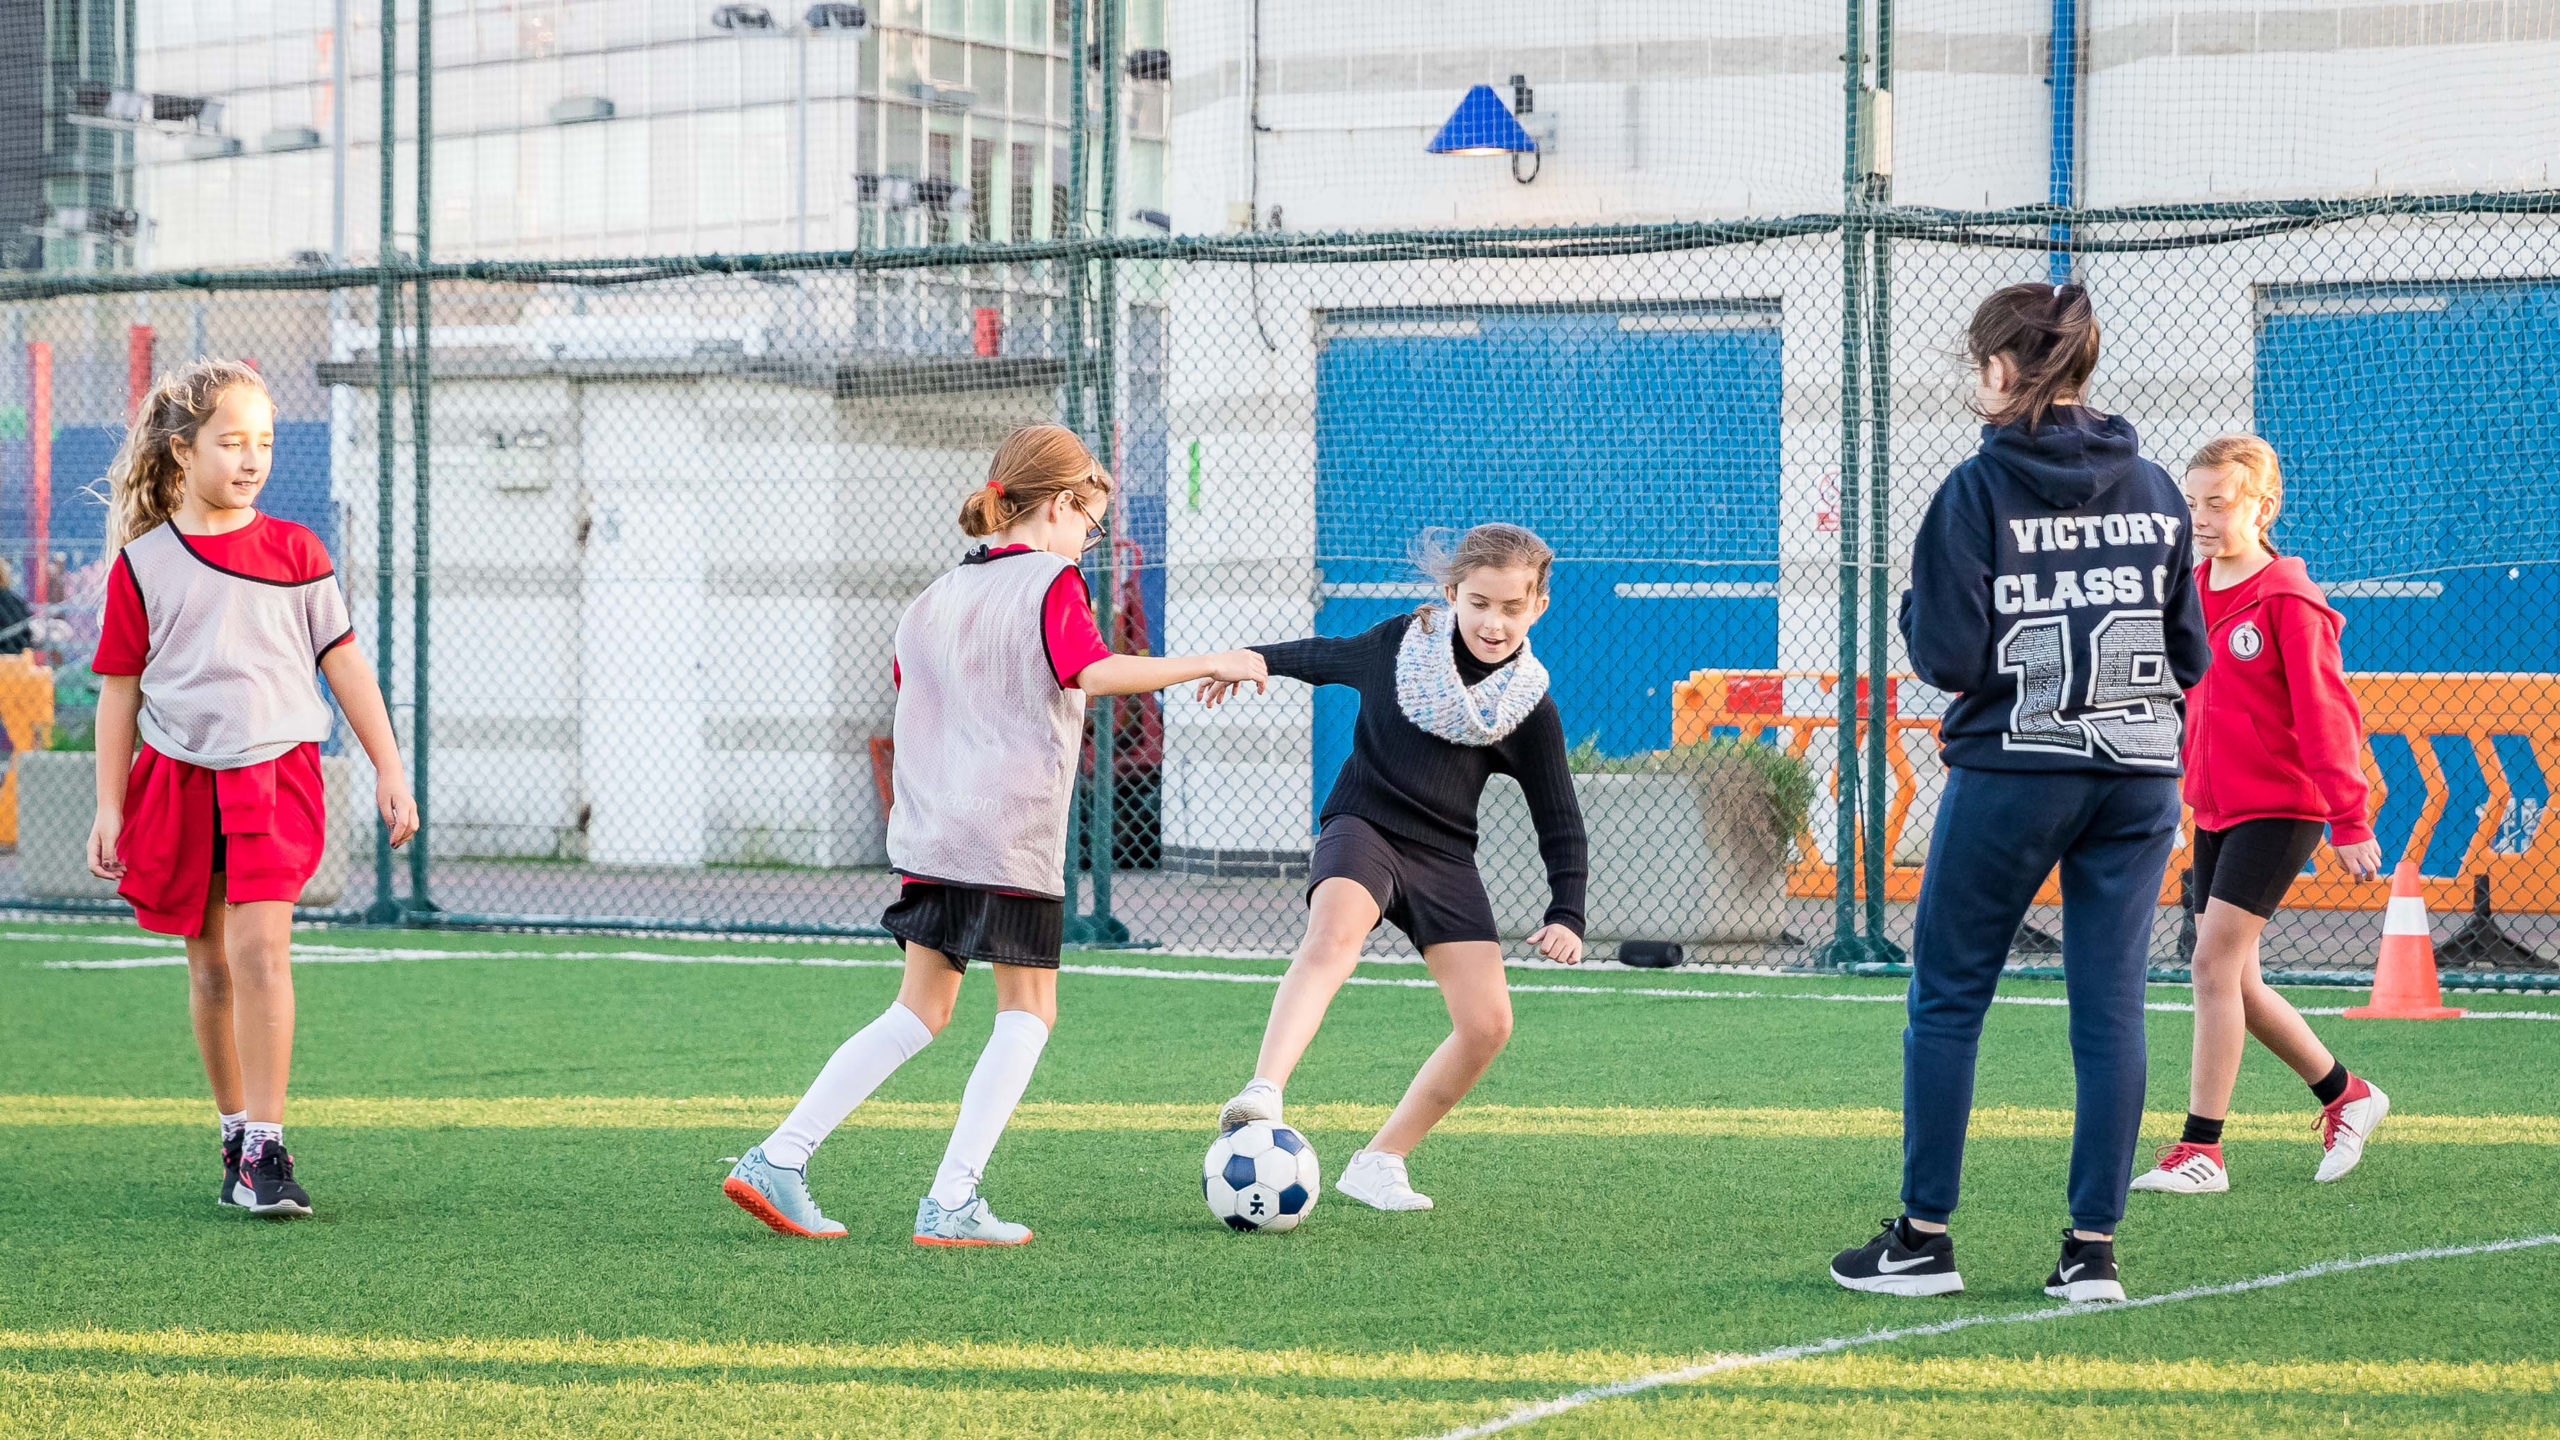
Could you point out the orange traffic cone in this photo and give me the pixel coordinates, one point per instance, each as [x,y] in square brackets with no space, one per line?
[2404,978]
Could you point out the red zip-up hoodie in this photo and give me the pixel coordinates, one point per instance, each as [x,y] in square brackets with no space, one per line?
[2273,732]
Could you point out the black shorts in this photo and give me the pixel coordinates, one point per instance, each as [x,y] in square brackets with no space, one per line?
[968,924]
[1434,899]
[2253,863]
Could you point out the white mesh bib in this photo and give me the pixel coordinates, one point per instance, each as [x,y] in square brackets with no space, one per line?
[987,741]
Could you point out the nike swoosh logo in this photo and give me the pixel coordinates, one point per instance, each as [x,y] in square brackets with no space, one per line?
[1891,1268]
[2073,1272]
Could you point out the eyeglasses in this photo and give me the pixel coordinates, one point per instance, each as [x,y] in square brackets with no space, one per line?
[1093,527]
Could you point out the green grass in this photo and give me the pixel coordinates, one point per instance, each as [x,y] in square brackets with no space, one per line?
[516,1162]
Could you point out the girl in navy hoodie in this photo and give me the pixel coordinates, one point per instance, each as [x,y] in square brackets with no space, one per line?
[2051,599]
[2272,739]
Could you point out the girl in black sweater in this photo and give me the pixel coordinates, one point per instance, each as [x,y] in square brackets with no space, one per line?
[1449,696]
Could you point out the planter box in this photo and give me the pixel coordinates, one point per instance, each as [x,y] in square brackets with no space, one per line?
[1668,862]
[58,800]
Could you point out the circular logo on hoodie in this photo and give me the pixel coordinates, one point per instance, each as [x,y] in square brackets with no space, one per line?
[2246,642]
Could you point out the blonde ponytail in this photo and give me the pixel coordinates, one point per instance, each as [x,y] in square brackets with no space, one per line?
[143,483]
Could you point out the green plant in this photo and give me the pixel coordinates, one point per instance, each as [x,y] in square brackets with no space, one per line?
[73,735]
[1771,805]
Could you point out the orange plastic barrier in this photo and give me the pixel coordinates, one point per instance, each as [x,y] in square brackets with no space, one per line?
[2472,709]
[26,711]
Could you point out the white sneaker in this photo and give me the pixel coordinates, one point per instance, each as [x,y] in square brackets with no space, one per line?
[1377,1179]
[2186,1169]
[1257,1101]
[2345,1126]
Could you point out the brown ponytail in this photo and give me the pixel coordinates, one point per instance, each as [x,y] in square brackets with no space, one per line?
[144,483]
[2049,334]
[1034,464]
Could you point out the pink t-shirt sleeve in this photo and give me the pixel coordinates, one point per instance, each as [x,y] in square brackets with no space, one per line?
[1066,626]
[124,632]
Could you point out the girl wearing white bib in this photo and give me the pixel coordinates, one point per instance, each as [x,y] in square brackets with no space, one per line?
[993,664]
[1449,696]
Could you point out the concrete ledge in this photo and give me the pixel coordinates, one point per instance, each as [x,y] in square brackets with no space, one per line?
[1235,864]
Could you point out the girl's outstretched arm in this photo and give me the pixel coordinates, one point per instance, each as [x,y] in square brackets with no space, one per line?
[1138,674]
[361,699]
[119,704]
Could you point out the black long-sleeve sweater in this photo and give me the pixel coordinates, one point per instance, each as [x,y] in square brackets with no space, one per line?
[1422,789]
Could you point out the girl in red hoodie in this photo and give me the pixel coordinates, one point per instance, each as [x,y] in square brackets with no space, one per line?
[2271,761]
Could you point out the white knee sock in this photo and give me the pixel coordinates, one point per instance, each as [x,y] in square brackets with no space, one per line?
[856,1069]
[995,1087]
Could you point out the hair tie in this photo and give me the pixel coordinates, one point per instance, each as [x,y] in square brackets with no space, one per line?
[996,485]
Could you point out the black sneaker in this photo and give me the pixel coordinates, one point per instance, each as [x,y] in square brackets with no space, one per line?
[1888,1266]
[269,1176]
[235,1190]
[2086,1271]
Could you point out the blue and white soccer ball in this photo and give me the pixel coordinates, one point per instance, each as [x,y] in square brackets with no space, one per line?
[1261,1176]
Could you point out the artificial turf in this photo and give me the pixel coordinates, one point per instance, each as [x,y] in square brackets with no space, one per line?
[516,1165]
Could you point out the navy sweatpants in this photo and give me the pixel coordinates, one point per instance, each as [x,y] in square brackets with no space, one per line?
[1998,835]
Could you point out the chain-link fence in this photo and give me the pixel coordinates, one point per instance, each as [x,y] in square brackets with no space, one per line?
[636,621]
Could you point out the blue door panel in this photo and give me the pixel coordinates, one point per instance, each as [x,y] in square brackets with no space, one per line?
[1641,443]
[2421,449]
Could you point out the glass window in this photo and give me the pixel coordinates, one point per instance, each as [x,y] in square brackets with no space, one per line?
[1146,24]
[765,158]
[947,17]
[986,19]
[905,139]
[670,80]
[538,191]
[1025,176]
[493,196]
[767,69]
[906,60]
[717,167]
[1031,24]
[987,67]
[626,175]
[1060,212]
[950,62]
[671,205]
[1030,85]
[583,187]
[982,189]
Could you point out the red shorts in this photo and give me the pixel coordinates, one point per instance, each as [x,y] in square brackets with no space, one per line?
[267,822]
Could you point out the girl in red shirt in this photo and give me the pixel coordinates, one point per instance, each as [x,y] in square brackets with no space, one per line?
[2273,735]
[211,815]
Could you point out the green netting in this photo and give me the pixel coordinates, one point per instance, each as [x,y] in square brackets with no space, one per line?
[635,617]
[677,505]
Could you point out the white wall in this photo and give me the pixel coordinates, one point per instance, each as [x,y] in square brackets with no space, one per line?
[1677,111]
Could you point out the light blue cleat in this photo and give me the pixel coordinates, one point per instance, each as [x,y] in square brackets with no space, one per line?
[971,1224]
[778,1197]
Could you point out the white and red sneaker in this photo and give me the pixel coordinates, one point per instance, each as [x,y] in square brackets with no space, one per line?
[2346,1123]
[2187,1168]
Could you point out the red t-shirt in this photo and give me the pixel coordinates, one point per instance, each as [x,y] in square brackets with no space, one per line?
[1066,626]
[284,554]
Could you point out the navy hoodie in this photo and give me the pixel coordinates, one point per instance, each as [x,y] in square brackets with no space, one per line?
[2053,597]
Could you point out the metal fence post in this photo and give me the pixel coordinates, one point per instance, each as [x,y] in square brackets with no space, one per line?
[421,446]
[1844,949]
[385,909]
[1102,927]
[1071,380]
[1879,186]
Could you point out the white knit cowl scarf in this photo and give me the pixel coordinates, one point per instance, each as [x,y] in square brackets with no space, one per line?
[1432,696]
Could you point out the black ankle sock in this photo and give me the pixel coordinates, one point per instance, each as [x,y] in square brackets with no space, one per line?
[2201,1131]
[2329,1087]
[1910,1236]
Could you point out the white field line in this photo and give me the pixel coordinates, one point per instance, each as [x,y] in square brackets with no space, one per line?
[1635,1385]
[372,955]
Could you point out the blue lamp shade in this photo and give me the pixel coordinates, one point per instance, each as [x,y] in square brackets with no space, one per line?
[1482,125]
